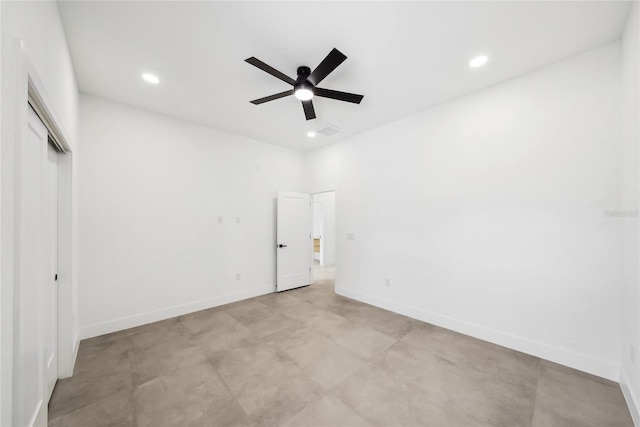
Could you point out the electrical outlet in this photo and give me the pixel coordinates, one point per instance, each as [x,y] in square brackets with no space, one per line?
[219,220]
[238,276]
[387,282]
[237,220]
[350,236]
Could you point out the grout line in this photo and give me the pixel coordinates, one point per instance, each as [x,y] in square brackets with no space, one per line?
[535,393]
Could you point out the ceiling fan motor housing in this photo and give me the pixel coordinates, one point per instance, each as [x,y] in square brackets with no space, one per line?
[303,73]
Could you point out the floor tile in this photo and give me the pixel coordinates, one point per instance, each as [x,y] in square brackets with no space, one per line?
[327,323]
[383,400]
[103,358]
[73,393]
[162,351]
[503,382]
[290,306]
[269,388]
[112,411]
[484,399]
[329,411]
[193,395]
[248,311]
[259,318]
[362,340]
[566,397]
[218,340]
[326,362]
[391,324]
[480,357]
[206,320]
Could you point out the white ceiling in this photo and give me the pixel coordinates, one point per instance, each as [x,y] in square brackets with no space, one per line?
[403,56]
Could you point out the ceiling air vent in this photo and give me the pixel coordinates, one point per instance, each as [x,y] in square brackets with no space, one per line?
[329,130]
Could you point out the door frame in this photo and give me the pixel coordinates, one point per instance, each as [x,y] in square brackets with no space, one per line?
[21,84]
[335,243]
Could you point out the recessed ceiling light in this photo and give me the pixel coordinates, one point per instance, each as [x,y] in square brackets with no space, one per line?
[478,61]
[311,134]
[150,78]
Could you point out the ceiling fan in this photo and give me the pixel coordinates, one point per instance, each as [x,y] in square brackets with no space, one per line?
[305,86]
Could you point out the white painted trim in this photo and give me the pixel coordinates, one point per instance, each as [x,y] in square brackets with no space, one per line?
[55,135]
[3,392]
[10,50]
[630,399]
[115,325]
[562,356]
[335,243]
[66,316]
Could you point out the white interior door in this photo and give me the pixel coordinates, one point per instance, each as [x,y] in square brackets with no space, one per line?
[294,244]
[51,288]
[31,277]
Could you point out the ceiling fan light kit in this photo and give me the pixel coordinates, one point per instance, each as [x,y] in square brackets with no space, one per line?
[305,85]
[303,90]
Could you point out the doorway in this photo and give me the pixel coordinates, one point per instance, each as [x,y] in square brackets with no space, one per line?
[324,238]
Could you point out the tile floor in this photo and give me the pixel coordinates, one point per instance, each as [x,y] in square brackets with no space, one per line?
[308,357]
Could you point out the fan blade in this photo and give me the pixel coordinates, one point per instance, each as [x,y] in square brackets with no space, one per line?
[327,65]
[309,112]
[269,69]
[340,96]
[272,97]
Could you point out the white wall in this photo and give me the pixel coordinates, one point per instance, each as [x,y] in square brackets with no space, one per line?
[325,203]
[6,325]
[630,370]
[152,190]
[487,214]
[37,25]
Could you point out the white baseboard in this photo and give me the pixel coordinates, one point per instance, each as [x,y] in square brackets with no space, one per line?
[115,325]
[630,399]
[562,356]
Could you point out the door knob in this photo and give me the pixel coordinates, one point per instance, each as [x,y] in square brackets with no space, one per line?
[282,246]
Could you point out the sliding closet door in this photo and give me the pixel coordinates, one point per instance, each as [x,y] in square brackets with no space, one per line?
[36,199]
